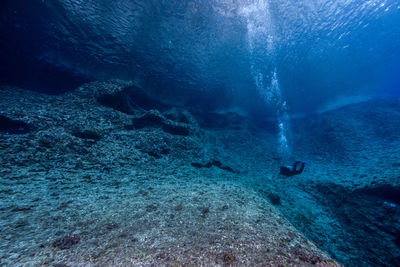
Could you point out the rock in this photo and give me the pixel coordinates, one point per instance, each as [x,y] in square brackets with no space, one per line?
[65,204]
[130,99]
[47,141]
[151,208]
[153,118]
[178,207]
[154,153]
[111,226]
[197,165]
[306,256]
[211,163]
[224,207]
[177,124]
[275,199]
[143,193]
[328,263]
[204,212]
[165,151]
[176,128]
[180,115]
[10,126]
[21,223]
[222,167]
[87,134]
[22,208]
[66,242]
[99,89]
[228,258]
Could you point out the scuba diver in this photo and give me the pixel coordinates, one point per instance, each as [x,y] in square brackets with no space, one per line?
[294,170]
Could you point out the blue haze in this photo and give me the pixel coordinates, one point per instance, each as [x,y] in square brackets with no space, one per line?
[322,51]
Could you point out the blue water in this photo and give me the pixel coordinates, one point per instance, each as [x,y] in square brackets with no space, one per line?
[321,51]
[291,69]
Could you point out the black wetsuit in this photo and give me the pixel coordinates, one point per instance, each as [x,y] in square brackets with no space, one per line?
[290,171]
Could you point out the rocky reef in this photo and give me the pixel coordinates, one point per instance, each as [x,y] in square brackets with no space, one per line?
[347,200]
[88,184]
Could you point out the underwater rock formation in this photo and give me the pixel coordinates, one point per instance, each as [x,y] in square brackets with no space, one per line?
[87,134]
[274,198]
[135,194]
[346,200]
[211,163]
[131,98]
[370,217]
[174,121]
[11,126]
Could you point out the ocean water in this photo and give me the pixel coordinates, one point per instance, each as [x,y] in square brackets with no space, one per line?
[154,133]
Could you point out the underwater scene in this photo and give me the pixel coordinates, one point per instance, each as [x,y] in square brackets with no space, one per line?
[199,133]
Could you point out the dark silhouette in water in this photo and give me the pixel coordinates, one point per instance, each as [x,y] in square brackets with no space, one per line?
[294,170]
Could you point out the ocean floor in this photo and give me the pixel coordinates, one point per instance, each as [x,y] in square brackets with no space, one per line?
[86,181]
[348,198]
[83,184]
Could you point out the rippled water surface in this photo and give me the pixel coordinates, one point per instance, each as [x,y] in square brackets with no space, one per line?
[321,50]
